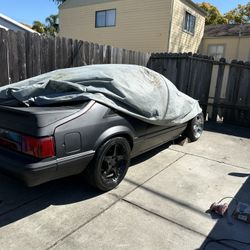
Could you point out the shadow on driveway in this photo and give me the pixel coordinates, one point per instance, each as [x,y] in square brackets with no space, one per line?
[227,129]
[228,228]
[18,201]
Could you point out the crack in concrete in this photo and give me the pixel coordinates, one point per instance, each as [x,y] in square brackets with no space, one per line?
[174,222]
[207,158]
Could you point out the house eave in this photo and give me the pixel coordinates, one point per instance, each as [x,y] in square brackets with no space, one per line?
[200,10]
[13,22]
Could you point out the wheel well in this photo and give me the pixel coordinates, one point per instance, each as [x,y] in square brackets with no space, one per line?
[124,135]
[128,138]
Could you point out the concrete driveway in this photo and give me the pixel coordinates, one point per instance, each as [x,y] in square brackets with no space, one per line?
[160,205]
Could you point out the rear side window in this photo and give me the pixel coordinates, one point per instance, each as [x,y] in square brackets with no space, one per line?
[105,18]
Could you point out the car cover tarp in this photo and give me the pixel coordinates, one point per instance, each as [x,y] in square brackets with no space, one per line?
[133,90]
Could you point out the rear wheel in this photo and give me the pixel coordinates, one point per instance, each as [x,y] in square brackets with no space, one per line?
[110,164]
[195,127]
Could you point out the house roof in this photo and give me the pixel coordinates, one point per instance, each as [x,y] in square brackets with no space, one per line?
[220,30]
[203,12]
[13,22]
[76,3]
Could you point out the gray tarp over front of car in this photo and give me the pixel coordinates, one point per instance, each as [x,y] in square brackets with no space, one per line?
[133,90]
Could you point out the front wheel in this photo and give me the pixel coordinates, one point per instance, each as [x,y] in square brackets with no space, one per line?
[195,127]
[110,164]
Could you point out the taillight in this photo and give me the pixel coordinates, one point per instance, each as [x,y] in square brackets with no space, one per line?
[38,147]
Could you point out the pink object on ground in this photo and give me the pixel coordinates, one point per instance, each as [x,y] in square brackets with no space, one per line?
[220,209]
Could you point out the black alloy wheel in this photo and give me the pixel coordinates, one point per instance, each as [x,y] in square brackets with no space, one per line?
[110,164]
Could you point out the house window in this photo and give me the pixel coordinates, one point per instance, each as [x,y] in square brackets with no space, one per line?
[217,51]
[105,18]
[189,25]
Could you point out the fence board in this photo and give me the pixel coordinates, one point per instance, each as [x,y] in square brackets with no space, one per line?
[13,57]
[4,76]
[36,55]
[21,56]
[28,52]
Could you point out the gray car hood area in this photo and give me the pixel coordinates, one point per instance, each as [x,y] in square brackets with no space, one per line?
[134,90]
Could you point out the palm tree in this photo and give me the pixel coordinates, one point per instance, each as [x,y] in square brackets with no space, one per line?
[39,27]
[53,24]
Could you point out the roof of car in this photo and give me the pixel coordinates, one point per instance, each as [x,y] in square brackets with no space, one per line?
[220,30]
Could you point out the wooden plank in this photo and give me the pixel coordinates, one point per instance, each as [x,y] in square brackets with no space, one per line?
[125,57]
[79,54]
[96,54]
[183,74]
[101,54]
[52,54]
[4,76]
[59,53]
[131,57]
[70,51]
[218,88]
[119,56]
[13,57]
[44,53]
[21,56]
[242,116]
[86,53]
[91,53]
[64,45]
[36,54]
[106,54]
[29,46]
[113,55]
[232,92]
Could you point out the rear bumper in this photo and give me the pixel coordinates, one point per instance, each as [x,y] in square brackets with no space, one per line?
[33,172]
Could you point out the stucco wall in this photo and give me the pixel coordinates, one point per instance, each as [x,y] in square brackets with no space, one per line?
[140,25]
[235,47]
[180,40]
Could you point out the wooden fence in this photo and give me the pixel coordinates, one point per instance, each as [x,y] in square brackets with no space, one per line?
[23,55]
[223,89]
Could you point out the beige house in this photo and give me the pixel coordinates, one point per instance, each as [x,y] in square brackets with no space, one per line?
[231,41]
[141,25]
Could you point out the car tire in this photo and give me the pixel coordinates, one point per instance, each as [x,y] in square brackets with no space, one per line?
[195,128]
[110,164]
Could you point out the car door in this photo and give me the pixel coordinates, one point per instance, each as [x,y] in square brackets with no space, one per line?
[157,135]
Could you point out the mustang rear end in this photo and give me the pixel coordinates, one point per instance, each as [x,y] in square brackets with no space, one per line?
[28,148]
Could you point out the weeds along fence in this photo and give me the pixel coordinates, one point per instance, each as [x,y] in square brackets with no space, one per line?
[24,55]
[223,89]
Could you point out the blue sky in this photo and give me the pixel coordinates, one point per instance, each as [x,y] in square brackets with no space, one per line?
[27,11]
[225,5]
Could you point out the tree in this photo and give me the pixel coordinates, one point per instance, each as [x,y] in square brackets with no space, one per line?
[39,27]
[241,14]
[213,14]
[53,26]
